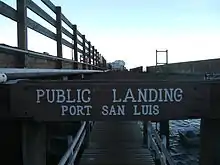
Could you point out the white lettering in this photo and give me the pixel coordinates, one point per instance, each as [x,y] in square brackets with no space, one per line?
[83,97]
[129,95]
[64,108]
[136,113]
[40,93]
[60,96]
[146,110]
[77,110]
[113,110]
[178,94]
[168,95]
[151,94]
[114,96]
[142,96]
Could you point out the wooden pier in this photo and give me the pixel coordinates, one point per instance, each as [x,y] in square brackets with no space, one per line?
[37,129]
[116,143]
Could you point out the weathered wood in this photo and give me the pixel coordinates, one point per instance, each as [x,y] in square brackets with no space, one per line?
[40,12]
[59,36]
[93,55]
[89,56]
[116,143]
[22,30]
[145,133]
[20,16]
[34,143]
[40,29]
[165,130]
[8,11]
[209,147]
[75,47]
[84,51]
[137,69]
[50,5]
[103,100]
[10,142]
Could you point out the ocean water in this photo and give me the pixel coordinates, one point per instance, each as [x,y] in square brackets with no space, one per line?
[181,154]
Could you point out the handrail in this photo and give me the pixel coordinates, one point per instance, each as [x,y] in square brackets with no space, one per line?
[7,74]
[159,146]
[77,140]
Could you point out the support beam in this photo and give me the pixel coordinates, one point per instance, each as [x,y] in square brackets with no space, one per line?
[165,130]
[34,143]
[210,146]
[145,133]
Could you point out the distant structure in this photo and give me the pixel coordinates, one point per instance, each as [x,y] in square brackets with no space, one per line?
[118,65]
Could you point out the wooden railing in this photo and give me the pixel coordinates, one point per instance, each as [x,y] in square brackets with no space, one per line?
[158,145]
[87,54]
[75,144]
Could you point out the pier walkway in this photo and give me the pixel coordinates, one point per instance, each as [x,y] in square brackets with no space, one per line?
[114,143]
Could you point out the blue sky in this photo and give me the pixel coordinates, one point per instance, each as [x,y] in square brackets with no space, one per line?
[133,30]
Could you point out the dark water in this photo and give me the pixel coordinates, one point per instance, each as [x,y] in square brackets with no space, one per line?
[181,154]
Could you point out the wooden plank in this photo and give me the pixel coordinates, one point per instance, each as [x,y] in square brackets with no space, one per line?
[50,5]
[116,143]
[8,11]
[46,32]
[109,100]
[79,42]
[78,33]
[67,33]
[40,29]
[40,12]
[66,21]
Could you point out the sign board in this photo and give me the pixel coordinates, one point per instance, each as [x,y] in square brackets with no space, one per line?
[108,100]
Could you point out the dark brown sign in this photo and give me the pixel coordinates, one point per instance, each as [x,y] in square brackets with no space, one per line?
[108,100]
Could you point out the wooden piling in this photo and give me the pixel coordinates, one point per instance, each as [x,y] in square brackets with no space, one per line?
[34,143]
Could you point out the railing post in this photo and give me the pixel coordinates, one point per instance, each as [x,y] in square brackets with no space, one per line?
[59,36]
[75,47]
[149,133]
[93,57]
[90,67]
[145,133]
[84,51]
[165,130]
[87,134]
[22,31]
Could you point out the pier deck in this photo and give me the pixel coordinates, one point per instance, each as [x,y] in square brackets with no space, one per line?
[114,143]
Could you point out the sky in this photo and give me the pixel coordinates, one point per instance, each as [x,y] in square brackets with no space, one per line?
[133,30]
